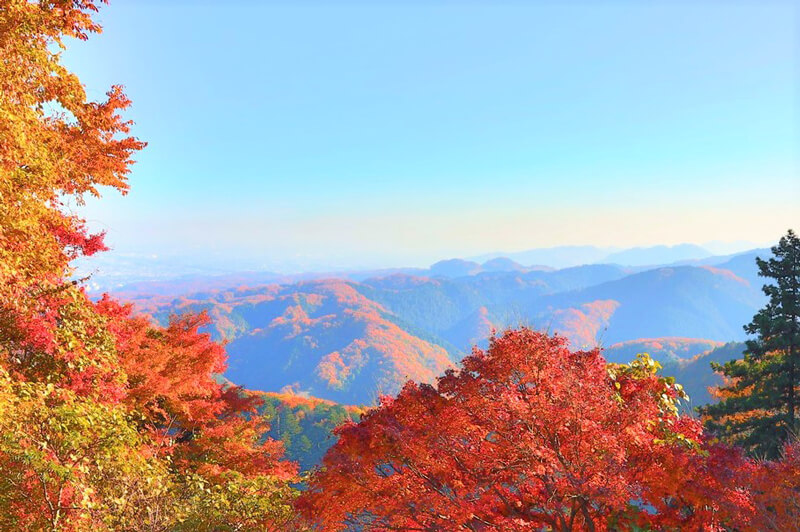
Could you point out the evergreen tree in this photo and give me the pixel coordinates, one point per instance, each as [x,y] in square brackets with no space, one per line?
[760,405]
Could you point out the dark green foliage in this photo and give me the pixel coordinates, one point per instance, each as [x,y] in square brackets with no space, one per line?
[304,427]
[760,407]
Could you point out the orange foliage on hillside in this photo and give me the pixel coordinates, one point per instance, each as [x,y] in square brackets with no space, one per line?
[727,274]
[582,325]
[293,400]
[342,333]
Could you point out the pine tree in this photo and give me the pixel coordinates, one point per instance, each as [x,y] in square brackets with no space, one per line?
[761,403]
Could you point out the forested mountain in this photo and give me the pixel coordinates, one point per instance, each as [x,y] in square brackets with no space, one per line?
[304,424]
[350,341]
[319,337]
[698,302]
[450,308]
[665,350]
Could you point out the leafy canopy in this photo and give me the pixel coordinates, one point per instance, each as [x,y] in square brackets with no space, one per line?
[107,420]
[529,435]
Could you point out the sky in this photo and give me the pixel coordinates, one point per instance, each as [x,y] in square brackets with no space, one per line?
[315,134]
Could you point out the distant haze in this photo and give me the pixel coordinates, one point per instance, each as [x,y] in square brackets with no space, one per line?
[112,270]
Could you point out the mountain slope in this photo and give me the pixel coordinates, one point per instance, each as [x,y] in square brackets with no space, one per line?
[696,374]
[448,308]
[684,301]
[304,424]
[556,257]
[665,350]
[322,338]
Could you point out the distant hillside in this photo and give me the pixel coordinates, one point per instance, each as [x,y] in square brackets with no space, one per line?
[321,337]
[657,255]
[743,265]
[665,350]
[685,301]
[555,257]
[696,375]
[502,264]
[463,309]
[567,256]
[591,305]
[474,329]
[454,268]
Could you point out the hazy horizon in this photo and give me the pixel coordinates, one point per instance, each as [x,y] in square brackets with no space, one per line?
[113,269]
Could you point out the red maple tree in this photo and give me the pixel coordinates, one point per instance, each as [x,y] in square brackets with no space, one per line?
[172,380]
[775,486]
[529,435]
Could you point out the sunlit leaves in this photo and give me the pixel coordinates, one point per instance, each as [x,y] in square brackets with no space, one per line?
[103,415]
[66,460]
[528,435]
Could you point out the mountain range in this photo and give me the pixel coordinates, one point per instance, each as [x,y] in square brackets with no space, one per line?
[566,256]
[352,338]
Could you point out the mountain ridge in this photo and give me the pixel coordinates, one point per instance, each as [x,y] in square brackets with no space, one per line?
[349,341]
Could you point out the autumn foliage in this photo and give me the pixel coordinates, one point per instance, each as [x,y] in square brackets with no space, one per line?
[776,488]
[529,435]
[107,420]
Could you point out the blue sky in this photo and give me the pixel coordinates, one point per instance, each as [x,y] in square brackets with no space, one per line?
[357,134]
